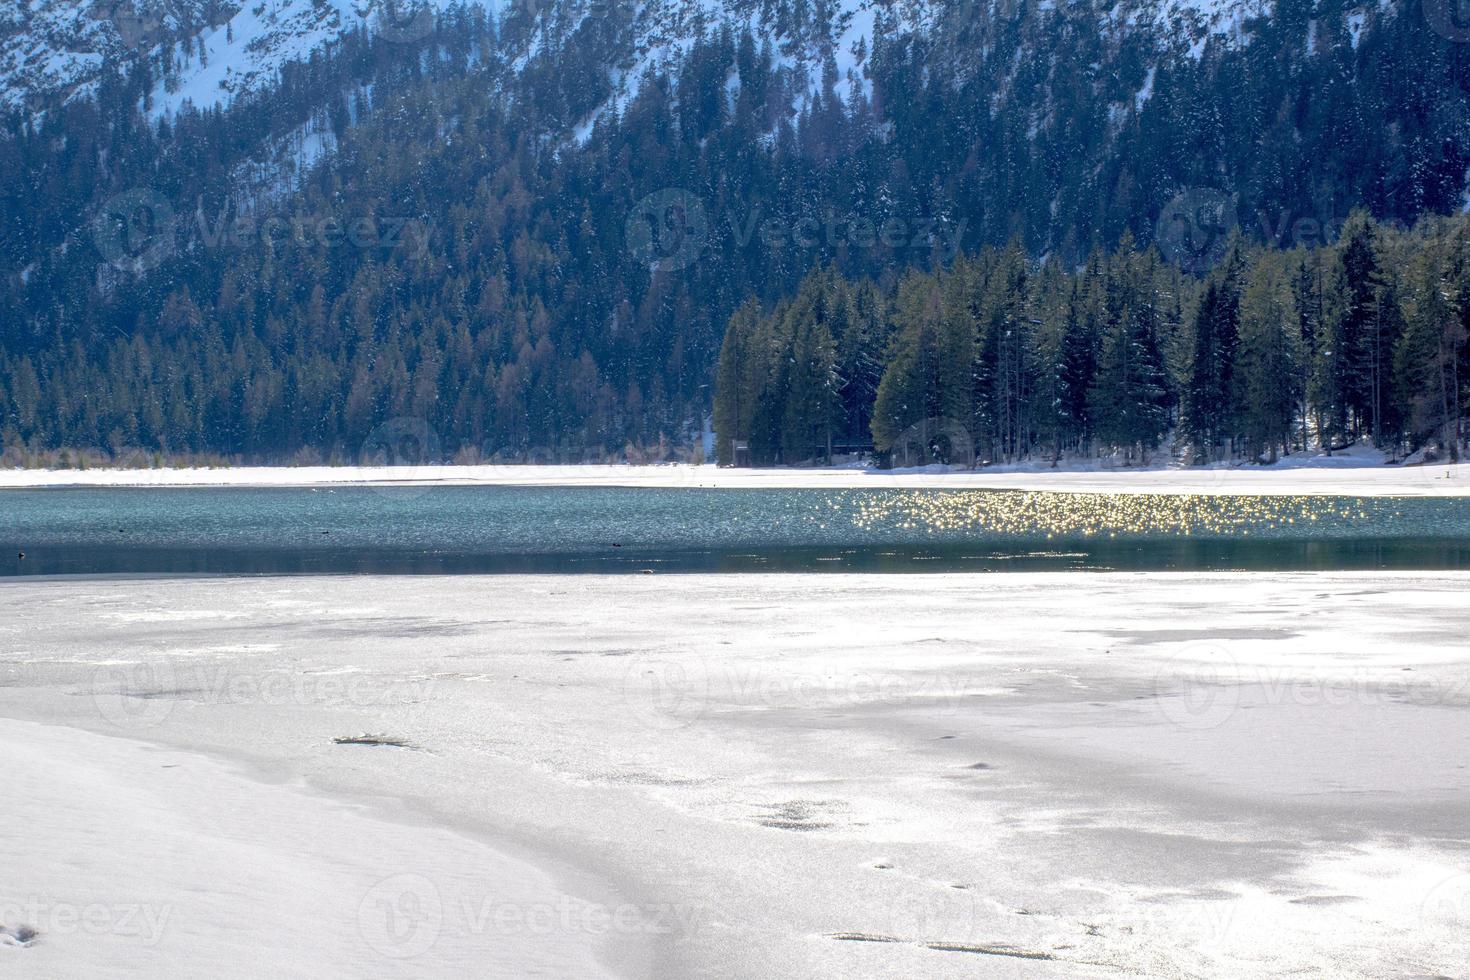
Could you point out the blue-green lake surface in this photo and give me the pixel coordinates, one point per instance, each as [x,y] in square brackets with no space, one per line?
[608,529]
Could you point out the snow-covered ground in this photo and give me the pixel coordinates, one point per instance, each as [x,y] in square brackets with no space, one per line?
[1355,472]
[131,860]
[1037,775]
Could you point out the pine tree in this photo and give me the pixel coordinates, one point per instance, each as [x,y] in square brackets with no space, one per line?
[1006,355]
[734,399]
[1130,395]
[1082,348]
[812,404]
[1357,342]
[862,347]
[1267,371]
[910,397]
[1208,403]
[1426,360]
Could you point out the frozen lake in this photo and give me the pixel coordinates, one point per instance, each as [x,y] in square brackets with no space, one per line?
[468,529]
[737,776]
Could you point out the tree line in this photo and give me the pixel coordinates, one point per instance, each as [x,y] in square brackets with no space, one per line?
[998,358]
[523,320]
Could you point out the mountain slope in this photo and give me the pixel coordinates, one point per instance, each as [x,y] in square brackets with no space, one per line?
[580,194]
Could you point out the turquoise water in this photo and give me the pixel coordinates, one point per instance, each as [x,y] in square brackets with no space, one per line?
[572,529]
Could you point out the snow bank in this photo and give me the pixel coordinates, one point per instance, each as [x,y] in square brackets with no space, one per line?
[1360,472]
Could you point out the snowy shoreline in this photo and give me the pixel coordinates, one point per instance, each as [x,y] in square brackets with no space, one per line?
[1360,473]
[1165,774]
[239,877]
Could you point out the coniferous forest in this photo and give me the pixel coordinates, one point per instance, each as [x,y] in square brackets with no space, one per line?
[978,232]
[999,359]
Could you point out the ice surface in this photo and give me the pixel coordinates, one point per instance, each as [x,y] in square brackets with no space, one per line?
[1037,775]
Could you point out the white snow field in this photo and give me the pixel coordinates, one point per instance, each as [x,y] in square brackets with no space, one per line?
[1357,472]
[749,776]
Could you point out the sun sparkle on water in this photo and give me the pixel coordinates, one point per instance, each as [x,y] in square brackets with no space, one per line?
[1098,515]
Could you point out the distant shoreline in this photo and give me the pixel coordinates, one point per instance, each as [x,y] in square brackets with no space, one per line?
[1338,475]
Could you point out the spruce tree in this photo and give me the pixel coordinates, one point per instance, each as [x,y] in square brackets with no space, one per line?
[1267,372]
[1427,357]
[734,399]
[910,395]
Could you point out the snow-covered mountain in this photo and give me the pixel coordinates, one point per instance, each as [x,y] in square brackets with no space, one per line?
[595,185]
[209,52]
